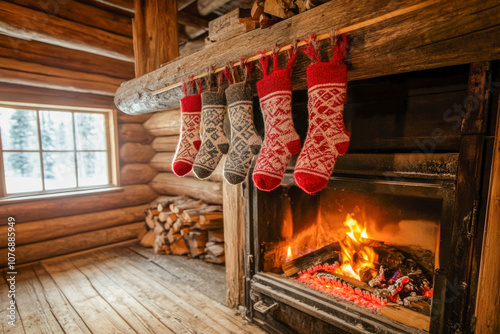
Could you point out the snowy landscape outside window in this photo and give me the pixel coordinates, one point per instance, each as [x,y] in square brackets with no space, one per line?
[53,150]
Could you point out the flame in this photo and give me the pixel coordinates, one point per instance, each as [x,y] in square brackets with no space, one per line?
[355,254]
[289,253]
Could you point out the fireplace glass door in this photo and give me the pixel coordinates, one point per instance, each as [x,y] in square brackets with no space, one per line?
[364,243]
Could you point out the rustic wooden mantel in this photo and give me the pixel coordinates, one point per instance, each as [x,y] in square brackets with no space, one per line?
[387,37]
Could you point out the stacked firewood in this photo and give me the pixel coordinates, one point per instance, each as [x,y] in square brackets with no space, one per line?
[265,13]
[182,225]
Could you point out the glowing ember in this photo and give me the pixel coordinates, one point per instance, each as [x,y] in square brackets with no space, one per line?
[319,278]
[355,254]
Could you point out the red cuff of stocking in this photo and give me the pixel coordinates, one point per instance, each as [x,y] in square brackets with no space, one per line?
[277,81]
[330,72]
[191,103]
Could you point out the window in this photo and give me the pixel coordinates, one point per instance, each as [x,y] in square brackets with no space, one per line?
[51,150]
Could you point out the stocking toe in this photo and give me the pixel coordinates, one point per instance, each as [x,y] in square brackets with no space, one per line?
[309,183]
[265,182]
[181,168]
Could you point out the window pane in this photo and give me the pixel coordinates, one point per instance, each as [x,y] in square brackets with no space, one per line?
[92,168]
[59,170]
[19,129]
[56,130]
[90,131]
[22,172]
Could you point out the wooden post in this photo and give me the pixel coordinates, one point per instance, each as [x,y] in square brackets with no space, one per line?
[234,234]
[488,296]
[154,34]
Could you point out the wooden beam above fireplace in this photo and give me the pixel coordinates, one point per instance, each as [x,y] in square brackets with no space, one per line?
[386,38]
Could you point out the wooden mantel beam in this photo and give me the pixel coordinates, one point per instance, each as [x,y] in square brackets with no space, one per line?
[386,38]
[29,24]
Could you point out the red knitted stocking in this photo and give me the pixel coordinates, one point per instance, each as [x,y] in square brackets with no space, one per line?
[281,140]
[189,141]
[327,137]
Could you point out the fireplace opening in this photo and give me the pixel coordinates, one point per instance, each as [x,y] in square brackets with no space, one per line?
[375,250]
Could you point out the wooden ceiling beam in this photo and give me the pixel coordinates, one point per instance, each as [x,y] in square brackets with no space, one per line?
[192,21]
[56,56]
[36,95]
[24,23]
[123,7]
[93,16]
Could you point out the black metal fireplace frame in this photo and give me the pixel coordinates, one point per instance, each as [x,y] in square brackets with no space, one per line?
[267,288]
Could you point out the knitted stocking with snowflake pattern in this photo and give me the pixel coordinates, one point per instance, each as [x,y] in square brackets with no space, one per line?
[245,142]
[189,140]
[213,140]
[281,140]
[327,137]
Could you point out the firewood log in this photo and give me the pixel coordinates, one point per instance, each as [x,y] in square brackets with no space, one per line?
[179,247]
[163,216]
[159,228]
[250,23]
[257,9]
[185,230]
[172,236]
[215,249]
[209,224]
[207,216]
[279,8]
[149,239]
[176,227]
[301,5]
[171,219]
[164,205]
[191,204]
[193,214]
[160,246]
[196,241]
[265,21]
[216,235]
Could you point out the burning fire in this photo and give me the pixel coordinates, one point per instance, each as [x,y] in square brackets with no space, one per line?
[289,253]
[355,254]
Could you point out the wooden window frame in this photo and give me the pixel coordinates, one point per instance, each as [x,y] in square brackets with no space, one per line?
[111,151]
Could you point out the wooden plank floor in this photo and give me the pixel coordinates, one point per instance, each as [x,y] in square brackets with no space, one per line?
[121,289]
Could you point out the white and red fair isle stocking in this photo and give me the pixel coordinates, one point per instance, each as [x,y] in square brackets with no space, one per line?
[189,141]
[281,140]
[327,137]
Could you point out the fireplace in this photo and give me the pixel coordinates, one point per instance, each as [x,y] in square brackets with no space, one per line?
[390,245]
